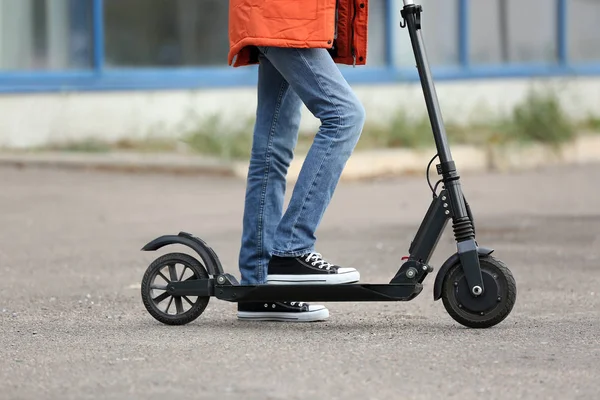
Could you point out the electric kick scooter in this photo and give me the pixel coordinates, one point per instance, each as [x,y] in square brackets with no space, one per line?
[477,290]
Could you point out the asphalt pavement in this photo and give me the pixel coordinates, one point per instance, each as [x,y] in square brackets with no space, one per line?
[73,326]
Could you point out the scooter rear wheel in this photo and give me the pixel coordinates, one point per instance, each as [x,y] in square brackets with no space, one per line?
[488,309]
[168,309]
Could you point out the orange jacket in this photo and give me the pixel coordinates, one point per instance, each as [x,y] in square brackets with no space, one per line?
[338,25]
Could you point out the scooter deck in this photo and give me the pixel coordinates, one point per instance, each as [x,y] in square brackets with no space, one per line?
[297,292]
[331,293]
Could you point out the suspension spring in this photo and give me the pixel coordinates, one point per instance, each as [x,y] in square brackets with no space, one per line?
[463,229]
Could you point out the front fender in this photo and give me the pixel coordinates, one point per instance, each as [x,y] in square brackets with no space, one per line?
[207,254]
[453,260]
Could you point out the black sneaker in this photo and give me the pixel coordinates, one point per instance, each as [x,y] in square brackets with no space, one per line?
[282,311]
[308,269]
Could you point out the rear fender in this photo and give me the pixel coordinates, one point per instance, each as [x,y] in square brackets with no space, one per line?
[206,253]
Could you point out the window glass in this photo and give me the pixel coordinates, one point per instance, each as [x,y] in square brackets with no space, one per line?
[440,34]
[377,41]
[45,34]
[584,30]
[512,31]
[147,33]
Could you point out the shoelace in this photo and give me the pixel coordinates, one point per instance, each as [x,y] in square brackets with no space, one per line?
[292,303]
[316,259]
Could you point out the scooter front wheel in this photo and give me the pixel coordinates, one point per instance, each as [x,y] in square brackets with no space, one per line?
[168,309]
[488,309]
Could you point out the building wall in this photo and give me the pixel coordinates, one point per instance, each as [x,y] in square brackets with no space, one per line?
[109,69]
[41,118]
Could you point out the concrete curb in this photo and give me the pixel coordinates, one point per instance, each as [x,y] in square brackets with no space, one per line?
[120,161]
[397,162]
[362,165]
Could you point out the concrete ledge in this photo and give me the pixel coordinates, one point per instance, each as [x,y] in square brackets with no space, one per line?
[396,162]
[362,165]
[584,150]
[120,161]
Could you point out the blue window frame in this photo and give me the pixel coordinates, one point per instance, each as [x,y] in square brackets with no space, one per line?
[88,69]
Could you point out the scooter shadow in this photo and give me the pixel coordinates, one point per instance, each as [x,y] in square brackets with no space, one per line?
[344,324]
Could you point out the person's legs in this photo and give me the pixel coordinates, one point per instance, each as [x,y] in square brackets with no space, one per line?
[287,78]
[275,136]
[314,76]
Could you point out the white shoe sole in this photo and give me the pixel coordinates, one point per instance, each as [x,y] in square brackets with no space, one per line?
[315,313]
[351,276]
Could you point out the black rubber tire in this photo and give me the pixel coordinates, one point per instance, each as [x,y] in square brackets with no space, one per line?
[199,273]
[507,292]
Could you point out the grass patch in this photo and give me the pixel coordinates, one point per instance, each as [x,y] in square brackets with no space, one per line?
[592,123]
[98,146]
[82,146]
[539,118]
[149,145]
[401,131]
[214,138]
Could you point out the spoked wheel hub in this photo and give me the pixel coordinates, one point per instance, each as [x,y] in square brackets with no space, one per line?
[489,308]
[157,292]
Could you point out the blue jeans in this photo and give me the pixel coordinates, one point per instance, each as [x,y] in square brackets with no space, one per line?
[287,78]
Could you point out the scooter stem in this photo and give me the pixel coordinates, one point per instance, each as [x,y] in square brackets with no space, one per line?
[462,224]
